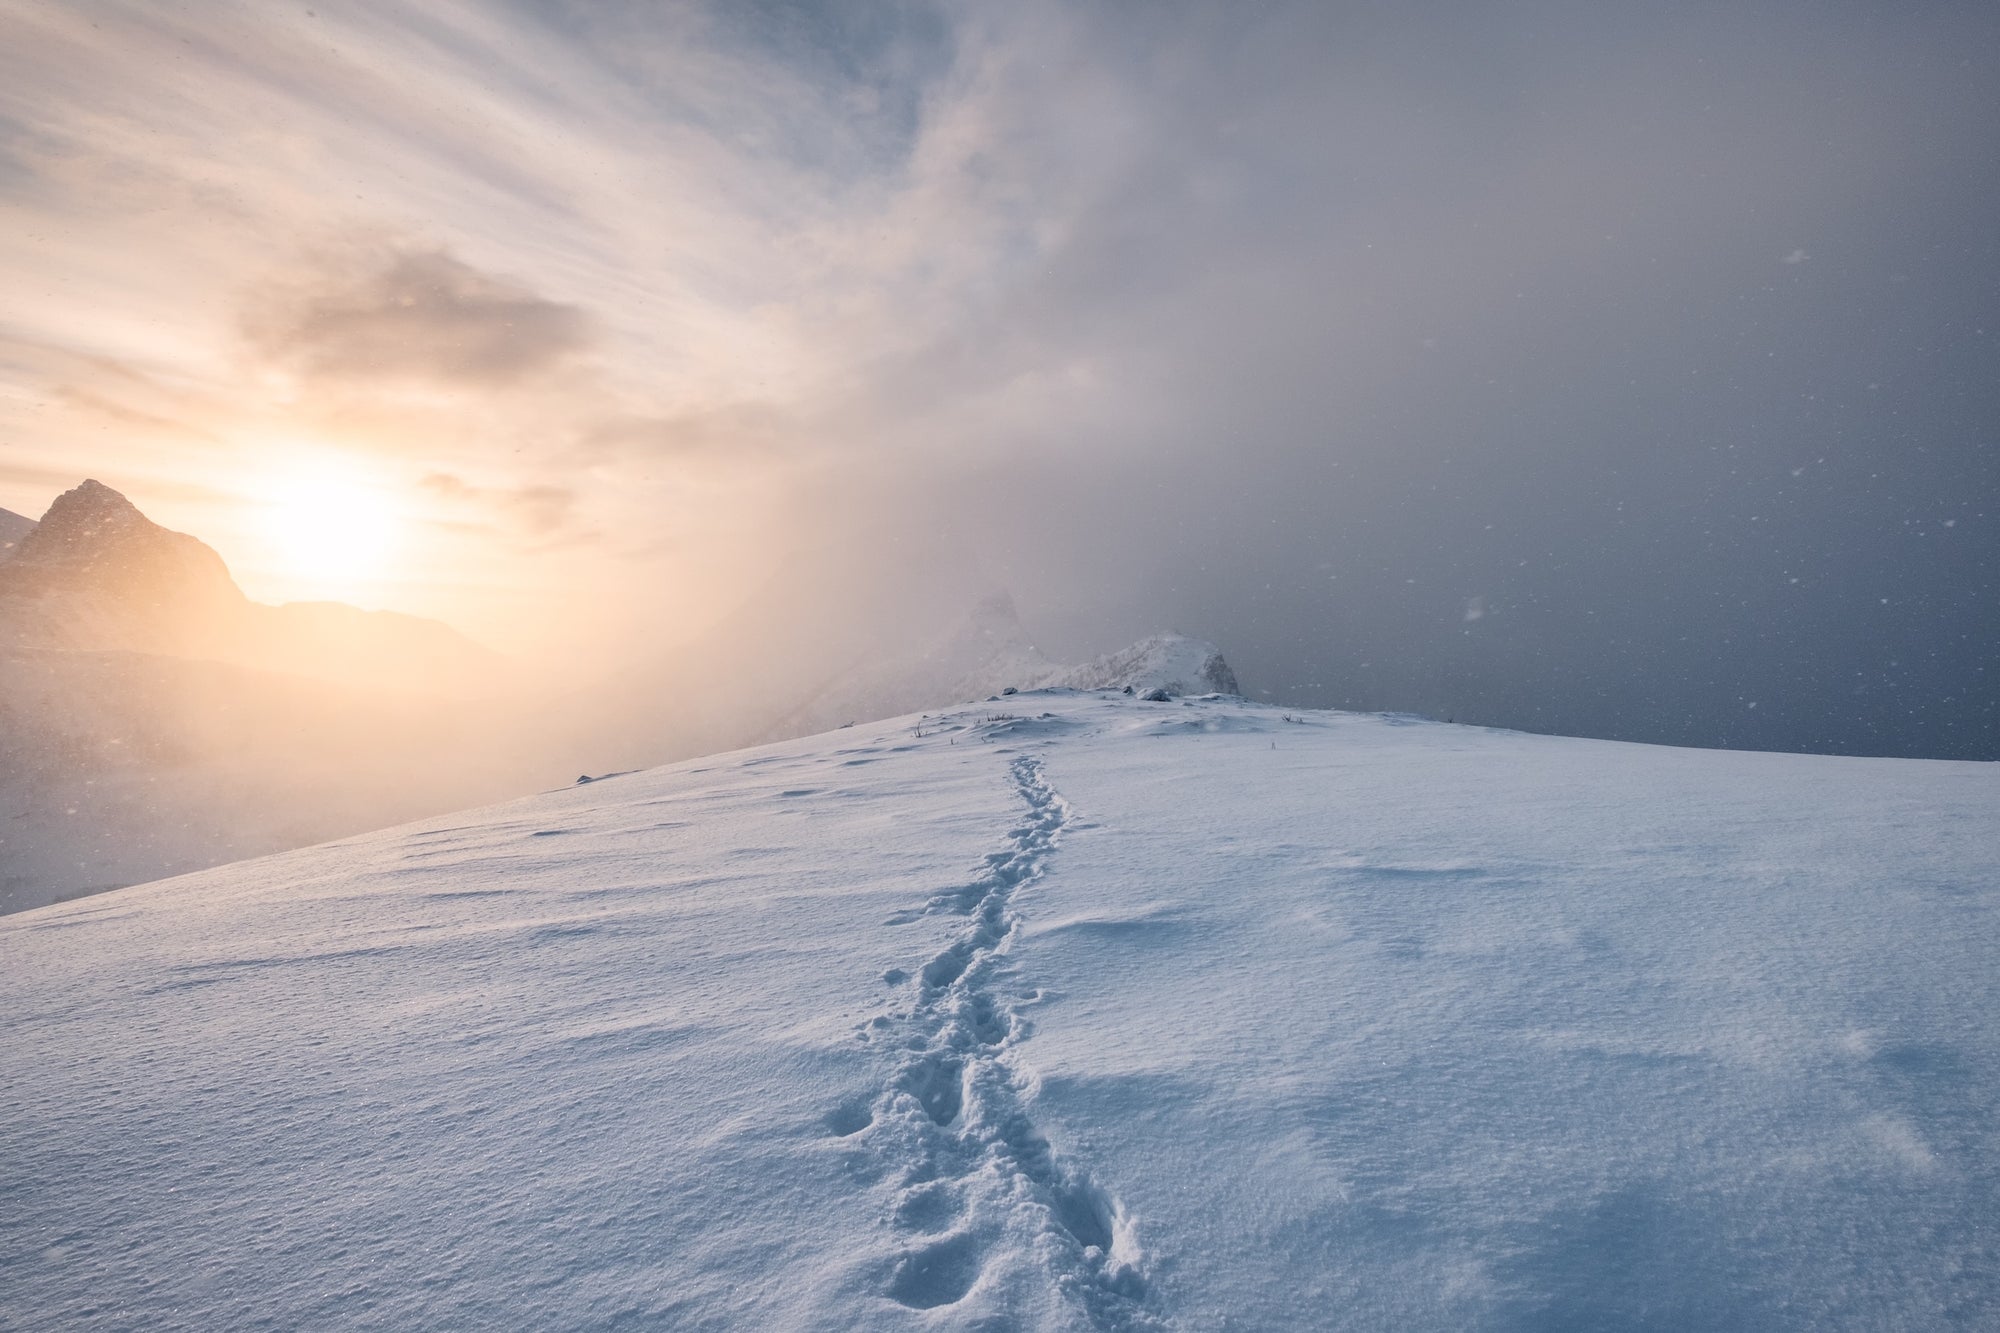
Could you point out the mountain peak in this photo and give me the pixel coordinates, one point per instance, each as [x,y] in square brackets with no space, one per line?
[95,540]
[90,488]
[996,607]
[80,520]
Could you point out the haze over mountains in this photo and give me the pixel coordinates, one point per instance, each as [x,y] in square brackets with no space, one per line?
[95,575]
[814,651]
[157,720]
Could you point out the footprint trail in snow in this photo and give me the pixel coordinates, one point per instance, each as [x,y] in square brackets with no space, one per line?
[974,1177]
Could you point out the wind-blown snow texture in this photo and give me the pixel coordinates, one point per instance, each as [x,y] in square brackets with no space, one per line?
[1098,1013]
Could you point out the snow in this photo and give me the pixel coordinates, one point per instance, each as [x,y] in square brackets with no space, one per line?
[1171,662]
[1073,1011]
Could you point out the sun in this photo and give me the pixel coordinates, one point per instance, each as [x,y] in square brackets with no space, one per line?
[329,526]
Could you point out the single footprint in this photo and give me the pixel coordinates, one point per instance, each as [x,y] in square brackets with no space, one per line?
[932,1207]
[949,966]
[936,1275]
[849,1118]
[987,1024]
[935,1081]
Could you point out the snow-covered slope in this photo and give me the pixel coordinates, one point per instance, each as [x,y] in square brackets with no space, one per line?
[1093,1013]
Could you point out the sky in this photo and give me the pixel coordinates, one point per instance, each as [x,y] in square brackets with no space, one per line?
[1620,370]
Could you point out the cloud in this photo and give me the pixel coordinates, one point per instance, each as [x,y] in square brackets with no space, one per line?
[423,316]
[739,432]
[1199,301]
[545,511]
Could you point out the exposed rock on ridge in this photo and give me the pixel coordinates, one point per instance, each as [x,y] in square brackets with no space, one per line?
[93,542]
[1170,662]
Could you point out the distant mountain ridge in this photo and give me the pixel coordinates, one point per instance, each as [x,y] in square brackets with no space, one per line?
[154,719]
[94,538]
[97,575]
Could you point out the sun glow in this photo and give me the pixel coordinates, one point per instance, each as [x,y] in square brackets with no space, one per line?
[330,527]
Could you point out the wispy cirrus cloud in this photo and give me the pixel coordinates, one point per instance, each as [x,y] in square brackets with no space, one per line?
[545,512]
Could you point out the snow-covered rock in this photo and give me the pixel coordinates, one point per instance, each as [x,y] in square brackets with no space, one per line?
[1170,662]
[986,653]
[990,653]
[1082,1014]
